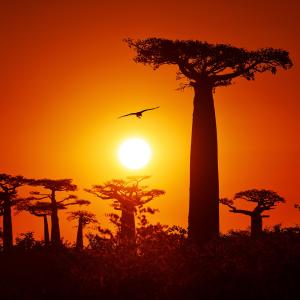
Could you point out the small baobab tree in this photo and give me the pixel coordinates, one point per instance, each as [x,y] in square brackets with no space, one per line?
[54,186]
[127,196]
[38,209]
[9,198]
[264,199]
[205,67]
[84,218]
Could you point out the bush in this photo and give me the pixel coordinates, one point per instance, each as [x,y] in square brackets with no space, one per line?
[26,241]
[164,266]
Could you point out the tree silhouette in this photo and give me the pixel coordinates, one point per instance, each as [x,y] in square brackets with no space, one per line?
[54,186]
[8,198]
[1,237]
[206,66]
[127,196]
[38,209]
[84,218]
[297,206]
[264,199]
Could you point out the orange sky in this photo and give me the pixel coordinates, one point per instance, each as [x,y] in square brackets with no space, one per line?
[66,76]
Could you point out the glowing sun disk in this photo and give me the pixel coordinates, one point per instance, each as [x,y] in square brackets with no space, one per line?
[134,153]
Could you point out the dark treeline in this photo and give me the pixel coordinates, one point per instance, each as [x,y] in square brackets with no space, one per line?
[128,196]
[165,266]
[139,260]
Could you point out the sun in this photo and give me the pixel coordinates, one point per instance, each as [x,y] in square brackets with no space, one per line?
[134,153]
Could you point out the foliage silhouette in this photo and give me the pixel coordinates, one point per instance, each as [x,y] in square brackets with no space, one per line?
[26,242]
[165,266]
[264,200]
[206,66]
[127,196]
[54,186]
[102,241]
[84,218]
[8,198]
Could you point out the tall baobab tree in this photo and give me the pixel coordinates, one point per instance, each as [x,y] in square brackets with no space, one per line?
[54,186]
[38,209]
[127,195]
[205,67]
[8,198]
[264,200]
[84,218]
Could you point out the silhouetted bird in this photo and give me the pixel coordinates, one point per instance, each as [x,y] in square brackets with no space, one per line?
[138,113]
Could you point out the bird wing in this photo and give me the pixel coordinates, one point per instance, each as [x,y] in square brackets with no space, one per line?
[148,109]
[127,115]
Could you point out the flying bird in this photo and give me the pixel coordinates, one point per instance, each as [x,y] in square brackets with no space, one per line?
[138,113]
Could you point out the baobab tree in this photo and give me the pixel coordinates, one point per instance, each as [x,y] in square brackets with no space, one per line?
[264,200]
[84,218]
[127,195]
[205,67]
[54,186]
[8,198]
[38,209]
[1,236]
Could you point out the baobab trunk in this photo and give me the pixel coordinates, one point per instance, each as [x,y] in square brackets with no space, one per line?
[79,239]
[128,224]
[7,227]
[203,222]
[55,232]
[46,231]
[256,225]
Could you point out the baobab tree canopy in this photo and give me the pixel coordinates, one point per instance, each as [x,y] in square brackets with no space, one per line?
[9,184]
[264,199]
[86,217]
[218,63]
[126,192]
[57,185]
[38,208]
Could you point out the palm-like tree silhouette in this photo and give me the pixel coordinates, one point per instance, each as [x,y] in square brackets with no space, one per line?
[38,209]
[205,67]
[84,218]
[264,199]
[127,195]
[52,187]
[8,198]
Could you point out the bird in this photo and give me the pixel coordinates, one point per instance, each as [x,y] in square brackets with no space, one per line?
[138,113]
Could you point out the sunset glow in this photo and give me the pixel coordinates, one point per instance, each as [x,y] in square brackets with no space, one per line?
[67,77]
[134,153]
[149,149]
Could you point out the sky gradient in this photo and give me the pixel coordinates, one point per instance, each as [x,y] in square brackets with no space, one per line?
[66,75]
